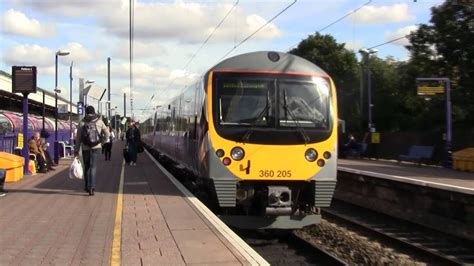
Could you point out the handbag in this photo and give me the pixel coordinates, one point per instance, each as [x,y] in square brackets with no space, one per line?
[140,147]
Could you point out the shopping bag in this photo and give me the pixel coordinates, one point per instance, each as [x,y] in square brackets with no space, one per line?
[75,170]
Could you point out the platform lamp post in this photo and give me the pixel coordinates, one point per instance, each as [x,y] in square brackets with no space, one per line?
[56,90]
[70,102]
[115,117]
[367,53]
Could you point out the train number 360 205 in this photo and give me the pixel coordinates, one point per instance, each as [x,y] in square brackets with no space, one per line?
[271,173]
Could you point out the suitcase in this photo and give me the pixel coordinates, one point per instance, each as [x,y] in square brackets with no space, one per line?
[126,155]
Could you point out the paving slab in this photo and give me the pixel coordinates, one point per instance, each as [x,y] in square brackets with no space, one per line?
[48,219]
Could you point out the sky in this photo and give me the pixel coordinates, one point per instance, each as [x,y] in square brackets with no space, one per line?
[169,35]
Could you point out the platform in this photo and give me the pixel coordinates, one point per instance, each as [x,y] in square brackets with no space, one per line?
[440,198]
[430,176]
[138,216]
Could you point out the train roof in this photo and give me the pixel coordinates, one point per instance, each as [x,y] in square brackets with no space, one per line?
[269,61]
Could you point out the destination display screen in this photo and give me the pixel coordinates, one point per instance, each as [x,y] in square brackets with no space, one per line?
[23,79]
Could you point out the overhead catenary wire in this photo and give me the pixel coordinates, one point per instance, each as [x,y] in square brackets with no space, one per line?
[210,35]
[199,49]
[256,31]
[131,27]
[393,40]
[249,36]
[335,21]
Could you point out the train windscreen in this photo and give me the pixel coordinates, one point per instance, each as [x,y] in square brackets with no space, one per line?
[279,104]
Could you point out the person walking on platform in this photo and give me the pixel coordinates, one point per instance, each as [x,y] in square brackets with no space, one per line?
[108,144]
[92,132]
[133,140]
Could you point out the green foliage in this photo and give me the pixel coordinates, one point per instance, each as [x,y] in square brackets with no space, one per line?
[445,48]
[341,65]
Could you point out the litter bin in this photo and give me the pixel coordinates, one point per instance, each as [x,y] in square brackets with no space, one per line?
[463,160]
[14,166]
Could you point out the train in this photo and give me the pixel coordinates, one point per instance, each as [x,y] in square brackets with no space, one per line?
[259,133]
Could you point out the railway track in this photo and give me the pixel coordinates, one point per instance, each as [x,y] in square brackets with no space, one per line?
[286,248]
[437,247]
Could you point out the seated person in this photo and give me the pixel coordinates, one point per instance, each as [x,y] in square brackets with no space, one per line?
[350,147]
[34,146]
[49,161]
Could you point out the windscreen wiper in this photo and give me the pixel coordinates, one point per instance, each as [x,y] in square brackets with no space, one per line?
[298,127]
[252,128]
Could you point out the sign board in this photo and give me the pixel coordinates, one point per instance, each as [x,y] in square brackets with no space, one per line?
[427,90]
[375,137]
[94,91]
[20,140]
[80,108]
[23,79]
[62,108]
[429,87]
[124,120]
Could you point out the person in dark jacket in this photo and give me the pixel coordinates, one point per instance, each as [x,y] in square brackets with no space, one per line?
[133,140]
[90,154]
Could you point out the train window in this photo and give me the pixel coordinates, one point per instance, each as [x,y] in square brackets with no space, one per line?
[5,125]
[304,103]
[245,101]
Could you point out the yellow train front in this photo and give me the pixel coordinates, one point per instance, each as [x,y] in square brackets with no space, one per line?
[260,132]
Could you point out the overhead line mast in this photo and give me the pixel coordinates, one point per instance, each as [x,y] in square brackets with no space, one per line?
[131,18]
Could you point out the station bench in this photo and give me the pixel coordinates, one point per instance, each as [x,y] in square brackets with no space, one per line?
[417,154]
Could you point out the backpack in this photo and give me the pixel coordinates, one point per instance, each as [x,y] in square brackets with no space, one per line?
[90,134]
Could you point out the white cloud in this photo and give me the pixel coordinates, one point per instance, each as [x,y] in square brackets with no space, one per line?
[354,45]
[79,53]
[44,57]
[45,71]
[17,23]
[382,14]
[187,22]
[140,71]
[33,55]
[391,35]
[140,50]
[69,8]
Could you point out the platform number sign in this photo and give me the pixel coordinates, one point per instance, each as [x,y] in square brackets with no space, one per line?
[23,79]
[80,108]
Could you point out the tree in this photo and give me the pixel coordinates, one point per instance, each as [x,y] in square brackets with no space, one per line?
[444,48]
[341,65]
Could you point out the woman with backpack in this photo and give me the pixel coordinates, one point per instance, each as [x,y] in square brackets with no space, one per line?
[92,132]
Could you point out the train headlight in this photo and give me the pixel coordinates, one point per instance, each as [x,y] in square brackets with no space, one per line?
[237,153]
[311,155]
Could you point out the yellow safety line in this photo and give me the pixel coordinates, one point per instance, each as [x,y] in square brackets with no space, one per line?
[117,240]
